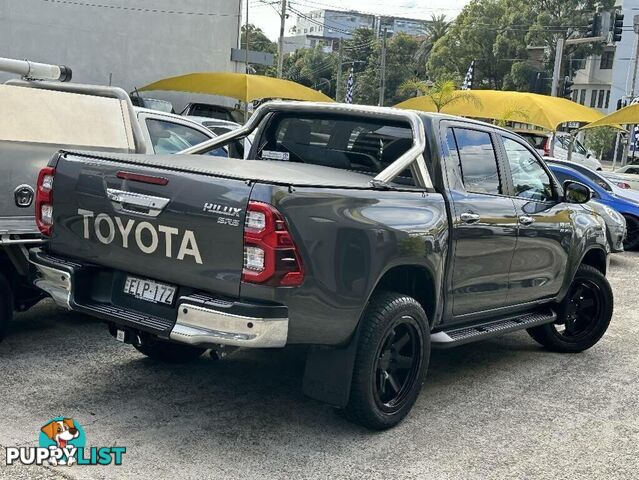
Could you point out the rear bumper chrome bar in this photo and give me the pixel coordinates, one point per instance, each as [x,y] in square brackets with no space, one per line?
[201,320]
[202,326]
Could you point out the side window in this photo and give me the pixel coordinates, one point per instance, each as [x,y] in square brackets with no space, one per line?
[170,137]
[477,161]
[529,178]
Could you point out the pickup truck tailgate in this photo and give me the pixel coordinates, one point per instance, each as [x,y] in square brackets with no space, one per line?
[179,227]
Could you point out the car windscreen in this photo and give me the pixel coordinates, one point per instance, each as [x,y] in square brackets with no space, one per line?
[349,143]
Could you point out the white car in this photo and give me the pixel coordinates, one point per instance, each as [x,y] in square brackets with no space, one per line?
[170,133]
[625,177]
[541,141]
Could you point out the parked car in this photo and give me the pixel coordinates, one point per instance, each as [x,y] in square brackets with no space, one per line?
[369,233]
[152,103]
[625,177]
[209,110]
[40,117]
[543,141]
[615,225]
[603,193]
[219,127]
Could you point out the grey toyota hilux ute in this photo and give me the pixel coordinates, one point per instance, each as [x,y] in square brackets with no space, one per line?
[369,234]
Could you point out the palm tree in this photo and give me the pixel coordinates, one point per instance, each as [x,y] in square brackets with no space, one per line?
[442,93]
[435,29]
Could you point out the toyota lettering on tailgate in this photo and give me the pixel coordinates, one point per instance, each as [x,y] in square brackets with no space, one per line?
[108,229]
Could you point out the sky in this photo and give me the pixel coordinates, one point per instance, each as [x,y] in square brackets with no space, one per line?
[265,16]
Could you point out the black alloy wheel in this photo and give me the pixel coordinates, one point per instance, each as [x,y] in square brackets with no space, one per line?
[398,364]
[584,308]
[583,316]
[393,351]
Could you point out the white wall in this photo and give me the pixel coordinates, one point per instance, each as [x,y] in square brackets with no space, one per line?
[135,47]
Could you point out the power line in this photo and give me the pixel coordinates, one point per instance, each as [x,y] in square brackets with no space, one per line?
[139,9]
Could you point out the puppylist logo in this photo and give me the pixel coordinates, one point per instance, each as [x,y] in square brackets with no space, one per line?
[62,441]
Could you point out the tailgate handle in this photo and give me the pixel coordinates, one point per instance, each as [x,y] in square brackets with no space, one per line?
[131,202]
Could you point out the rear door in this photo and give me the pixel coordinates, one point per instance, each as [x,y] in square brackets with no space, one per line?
[484,221]
[544,227]
[181,228]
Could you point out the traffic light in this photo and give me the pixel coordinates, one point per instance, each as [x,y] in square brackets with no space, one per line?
[594,26]
[568,83]
[616,26]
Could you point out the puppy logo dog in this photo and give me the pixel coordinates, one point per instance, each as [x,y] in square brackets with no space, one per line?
[61,432]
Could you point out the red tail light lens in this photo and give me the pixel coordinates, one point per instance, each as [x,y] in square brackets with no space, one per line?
[623,185]
[44,201]
[270,255]
[547,148]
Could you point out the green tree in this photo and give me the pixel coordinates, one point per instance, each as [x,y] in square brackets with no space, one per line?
[435,29]
[313,68]
[442,93]
[602,141]
[259,42]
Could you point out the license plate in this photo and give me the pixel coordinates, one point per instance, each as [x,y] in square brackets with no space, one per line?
[149,291]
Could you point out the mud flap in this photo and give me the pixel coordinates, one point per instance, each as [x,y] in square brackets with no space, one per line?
[329,373]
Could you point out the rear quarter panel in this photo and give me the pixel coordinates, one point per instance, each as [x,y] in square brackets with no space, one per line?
[348,240]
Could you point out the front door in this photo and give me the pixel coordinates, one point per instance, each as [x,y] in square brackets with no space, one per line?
[484,222]
[545,227]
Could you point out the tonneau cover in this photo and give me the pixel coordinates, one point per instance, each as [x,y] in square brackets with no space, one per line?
[276,172]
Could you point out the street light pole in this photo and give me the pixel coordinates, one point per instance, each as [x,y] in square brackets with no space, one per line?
[280,49]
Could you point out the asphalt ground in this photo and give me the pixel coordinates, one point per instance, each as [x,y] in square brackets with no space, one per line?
[500,409]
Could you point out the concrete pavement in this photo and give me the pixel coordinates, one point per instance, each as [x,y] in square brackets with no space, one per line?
[503,408]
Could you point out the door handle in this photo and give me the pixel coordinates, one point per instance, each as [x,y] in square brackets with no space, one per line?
[131,202]
[470,218]
[526,220]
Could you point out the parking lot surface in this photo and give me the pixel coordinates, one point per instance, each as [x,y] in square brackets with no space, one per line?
[503,408]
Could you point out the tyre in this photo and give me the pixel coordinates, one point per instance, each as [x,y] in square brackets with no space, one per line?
[169,352]
[392,358]
[582,317]
[6,306]
[631,241]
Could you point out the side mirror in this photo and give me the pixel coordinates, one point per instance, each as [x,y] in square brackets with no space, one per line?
[589,155]
[575,192]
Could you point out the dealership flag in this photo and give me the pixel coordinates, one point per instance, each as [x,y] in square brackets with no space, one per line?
[470,76]
[350,85]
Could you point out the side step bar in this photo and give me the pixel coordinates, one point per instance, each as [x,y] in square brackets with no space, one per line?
[462,335]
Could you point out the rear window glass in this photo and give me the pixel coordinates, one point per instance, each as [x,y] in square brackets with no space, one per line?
[340,142]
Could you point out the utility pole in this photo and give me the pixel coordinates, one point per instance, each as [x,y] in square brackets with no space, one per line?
[633,91]
[340,56]
[559,56]
[382,87]
[280,50]
[246,56]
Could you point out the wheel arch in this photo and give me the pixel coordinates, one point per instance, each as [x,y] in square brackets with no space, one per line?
[413,280]
[597,258]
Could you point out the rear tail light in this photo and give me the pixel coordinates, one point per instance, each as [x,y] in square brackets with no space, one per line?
[547,148]
[270,255]
[44,201]
[623,185]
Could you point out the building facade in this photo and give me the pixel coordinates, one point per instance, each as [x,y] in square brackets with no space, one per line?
[604,79]
[328,27]
[119,42]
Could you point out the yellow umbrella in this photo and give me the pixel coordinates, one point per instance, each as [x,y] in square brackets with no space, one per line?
[531,108]
[626,116]
[241,86]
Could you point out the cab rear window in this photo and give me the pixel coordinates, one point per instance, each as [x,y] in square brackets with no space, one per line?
[341,142]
